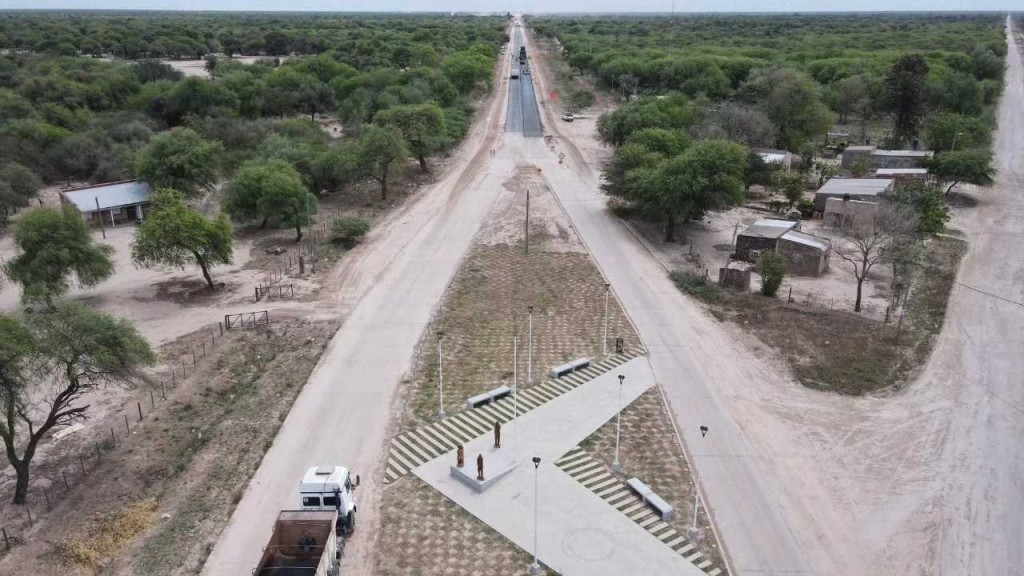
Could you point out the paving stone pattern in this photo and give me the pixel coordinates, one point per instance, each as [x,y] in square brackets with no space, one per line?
[597,477]
[649,450]
[487,305]
[425,443]
[426,534]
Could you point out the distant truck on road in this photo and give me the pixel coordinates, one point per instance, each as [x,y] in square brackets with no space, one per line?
[310,541]
[522,54]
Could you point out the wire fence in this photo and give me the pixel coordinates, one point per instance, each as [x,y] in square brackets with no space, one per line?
[50,488]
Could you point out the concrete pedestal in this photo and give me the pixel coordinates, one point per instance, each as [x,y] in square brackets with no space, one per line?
[498,463]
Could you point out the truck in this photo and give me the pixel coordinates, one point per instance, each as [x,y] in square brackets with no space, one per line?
[310,540]
[522,54]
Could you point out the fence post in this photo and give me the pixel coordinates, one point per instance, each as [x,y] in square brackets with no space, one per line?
[790,298]
[139,406]
[97,451]
[174,379]
[256,290]
[163,395]
[183,373]
[126,428]
[7,541]
[46,494]
[203,344]
[113,439]
[29,512]
[193,357]
[65,476]
[221,324]
[152,400]
[81,460]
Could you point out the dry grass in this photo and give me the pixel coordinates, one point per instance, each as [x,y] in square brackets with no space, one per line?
[842,351]
[648,450]
[106,535]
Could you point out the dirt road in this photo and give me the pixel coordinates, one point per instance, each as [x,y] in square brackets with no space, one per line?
[924,481]
[388,290]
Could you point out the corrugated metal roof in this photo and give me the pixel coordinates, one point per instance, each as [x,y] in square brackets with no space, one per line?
[807,239]
[901,171]
[905,153]
[768,228]
[113,195]
[856,186]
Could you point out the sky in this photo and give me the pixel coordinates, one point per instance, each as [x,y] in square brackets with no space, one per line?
[525,6]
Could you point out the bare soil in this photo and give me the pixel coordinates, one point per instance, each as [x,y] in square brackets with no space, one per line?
[193,453]
[841,351]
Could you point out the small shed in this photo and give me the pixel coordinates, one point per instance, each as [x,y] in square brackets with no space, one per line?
[840,213]
[804,254]
[760,237]
[853,153]
[114,202]
[863,189]
[899,158]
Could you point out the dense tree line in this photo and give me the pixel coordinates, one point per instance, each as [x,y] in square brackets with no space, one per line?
[65,117]
[703,88]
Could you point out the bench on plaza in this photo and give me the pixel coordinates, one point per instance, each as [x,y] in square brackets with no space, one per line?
[569,367]
[666,511]
[488,397]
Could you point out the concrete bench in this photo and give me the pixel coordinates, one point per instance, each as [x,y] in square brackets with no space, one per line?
[663,508]
[488,397]
[568,367]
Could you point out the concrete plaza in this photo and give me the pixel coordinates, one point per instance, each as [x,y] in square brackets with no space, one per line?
[578,532]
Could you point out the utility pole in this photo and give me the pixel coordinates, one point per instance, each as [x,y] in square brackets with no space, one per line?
[103,228]
[616,465]
[527,221]
[440,375]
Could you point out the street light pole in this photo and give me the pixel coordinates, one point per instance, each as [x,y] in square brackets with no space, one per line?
[696,481]
[607,292]
[529,348]
[535,569]
[515,393]
[617,466]
[440,375]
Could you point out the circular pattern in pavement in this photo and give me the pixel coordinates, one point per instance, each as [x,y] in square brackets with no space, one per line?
[590,544]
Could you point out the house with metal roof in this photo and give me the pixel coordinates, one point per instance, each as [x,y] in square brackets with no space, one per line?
[113,202]
[863,189]
[884,158]
[761,237]
[804,254]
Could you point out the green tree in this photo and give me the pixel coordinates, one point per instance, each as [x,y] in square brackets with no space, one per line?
[48,365]
[316,98]
[925,202]
[337,167]
[422,126]
[270,189]
[22,181]
[790,185]
[905,95]
[181,160]
[467,69]
[174,233]
[851,96]
[381,147]
[709,175]
[792,101]
[949,131]
[773,270]
[970,166]
[55,246]
[350,230]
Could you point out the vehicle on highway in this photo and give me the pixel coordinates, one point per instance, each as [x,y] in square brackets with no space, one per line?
[303,542]
[515,75]
[568,117]
[522,54]
[330,488]
[526,71]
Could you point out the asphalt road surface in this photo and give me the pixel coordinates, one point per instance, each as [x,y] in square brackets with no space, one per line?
[523,116]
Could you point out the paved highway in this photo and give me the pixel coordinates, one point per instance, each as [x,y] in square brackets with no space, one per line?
[523,115]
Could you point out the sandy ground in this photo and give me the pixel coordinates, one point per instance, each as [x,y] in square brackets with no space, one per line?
[198,67]
[926,481]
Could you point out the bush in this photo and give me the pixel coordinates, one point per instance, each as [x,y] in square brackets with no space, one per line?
[773,270]
[349,231]
[698,286]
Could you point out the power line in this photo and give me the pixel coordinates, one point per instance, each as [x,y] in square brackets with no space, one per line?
[991,295]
